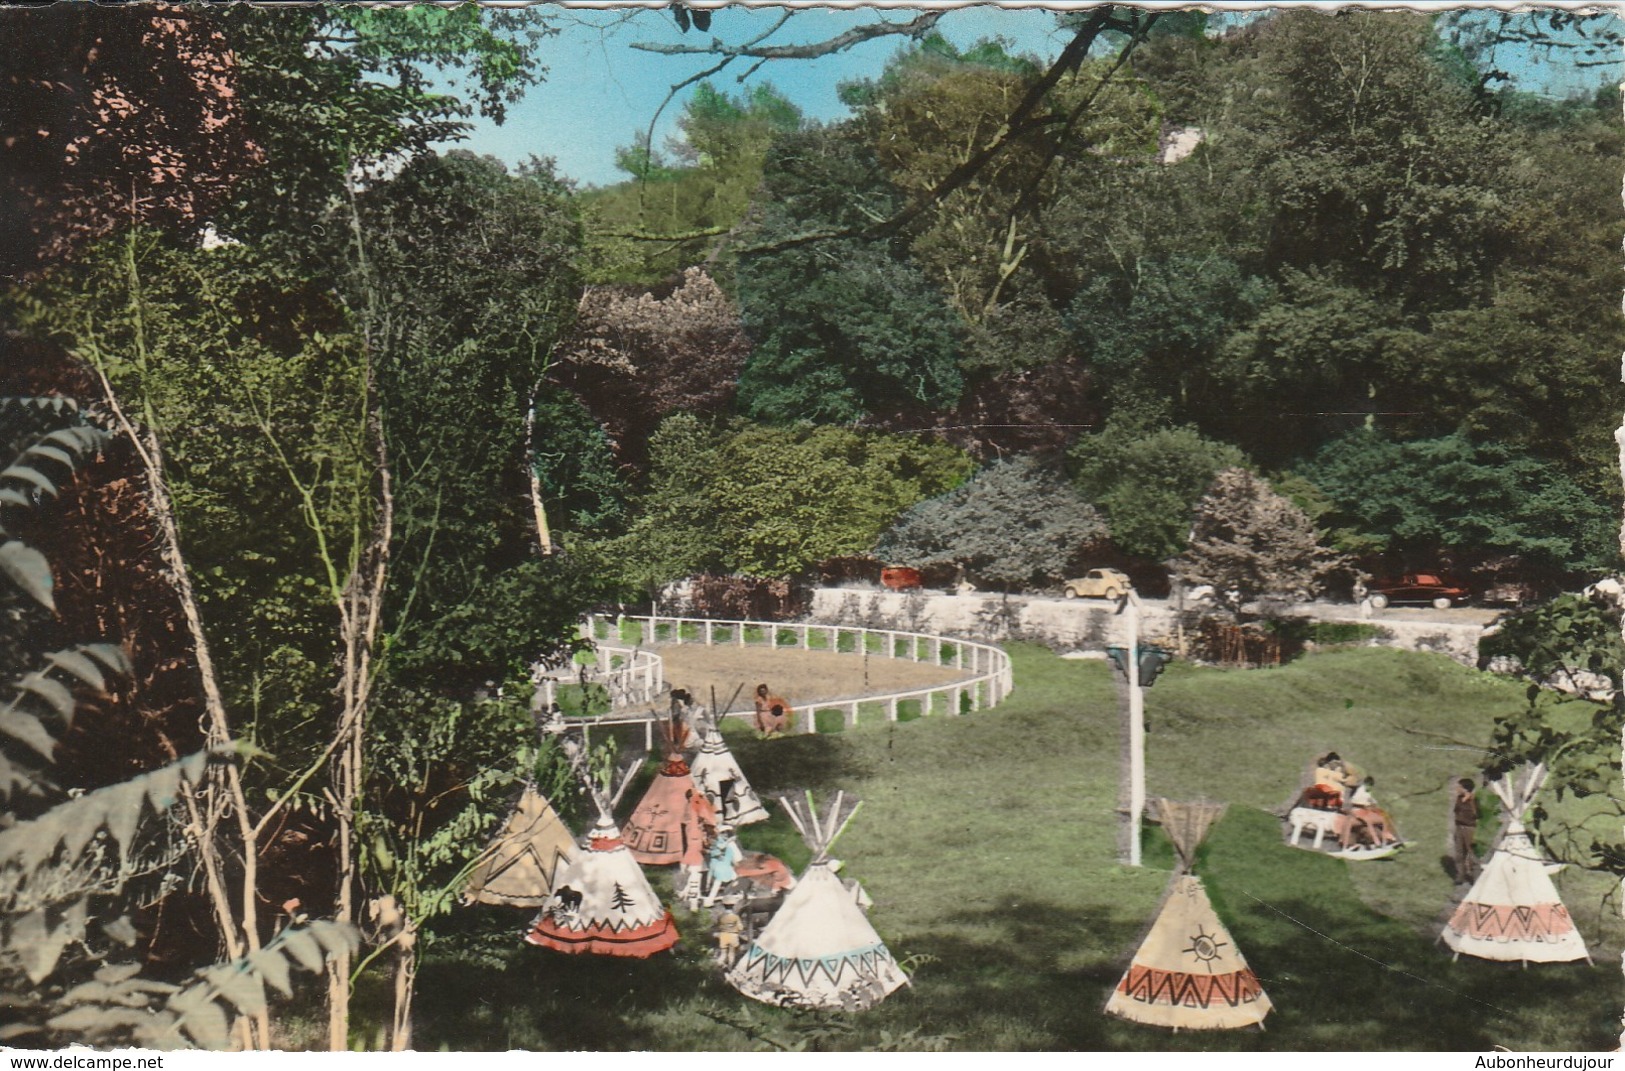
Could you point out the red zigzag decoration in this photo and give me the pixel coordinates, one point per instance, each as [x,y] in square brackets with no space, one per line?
[1500,922]
[1151,986]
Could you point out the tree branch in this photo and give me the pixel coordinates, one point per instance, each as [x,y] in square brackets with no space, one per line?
[917,27]
[1019,123]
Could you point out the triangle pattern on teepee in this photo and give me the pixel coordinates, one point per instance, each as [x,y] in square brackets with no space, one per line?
[517,867]
[820,950]
[1513,911]
[1188,973]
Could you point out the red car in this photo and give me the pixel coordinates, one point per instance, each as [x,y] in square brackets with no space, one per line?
[900,578]
[1417,588]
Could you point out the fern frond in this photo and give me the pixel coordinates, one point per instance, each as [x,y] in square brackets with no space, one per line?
[119,1007]
[200,1011]
[41,693]
[69,826]
[25,480]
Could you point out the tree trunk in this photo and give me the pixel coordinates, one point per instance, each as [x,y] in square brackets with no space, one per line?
[205,810]
[406,976]
[544,533]
[360,613]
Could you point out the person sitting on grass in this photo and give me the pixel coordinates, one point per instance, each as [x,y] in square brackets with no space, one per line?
[1329,783]
[772,712]
[1369,824]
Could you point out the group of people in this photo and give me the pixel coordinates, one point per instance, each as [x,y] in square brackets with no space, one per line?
[1339,785]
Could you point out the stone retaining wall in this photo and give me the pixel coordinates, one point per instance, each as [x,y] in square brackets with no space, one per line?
[1080,624]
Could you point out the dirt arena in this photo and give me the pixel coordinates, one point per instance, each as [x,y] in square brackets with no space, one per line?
[799,676]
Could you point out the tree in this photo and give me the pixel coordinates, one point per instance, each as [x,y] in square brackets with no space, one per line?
[1147,479]
[114,117]
[465,278]
[1251,544]
[1157,330]
[60,849]
[1376,156]
[1572,645]
[636,357]
[1421,498]
[1013,524]
[773,502]
[333,91]
[696,196]
[844,329]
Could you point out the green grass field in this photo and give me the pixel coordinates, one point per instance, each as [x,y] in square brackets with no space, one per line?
[989,845]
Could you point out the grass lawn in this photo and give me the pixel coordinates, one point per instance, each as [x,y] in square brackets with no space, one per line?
[988,844]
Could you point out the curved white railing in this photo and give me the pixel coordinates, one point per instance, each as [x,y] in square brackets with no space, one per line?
[630,675]
[989,682]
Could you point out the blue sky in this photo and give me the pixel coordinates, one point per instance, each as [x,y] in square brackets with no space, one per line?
[600,91]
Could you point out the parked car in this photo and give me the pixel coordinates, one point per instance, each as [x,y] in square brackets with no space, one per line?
[900,578]
[1416,588]
[1098,584]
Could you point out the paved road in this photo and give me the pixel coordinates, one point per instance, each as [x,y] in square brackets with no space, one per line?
[1344,611]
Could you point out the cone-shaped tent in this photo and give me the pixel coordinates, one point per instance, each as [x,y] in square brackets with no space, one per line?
[1513,912]
[1188,973]
[669,823]
[717,773]
[601,900]
[517,867]
[820,950]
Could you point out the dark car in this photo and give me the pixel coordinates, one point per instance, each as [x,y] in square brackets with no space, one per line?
[1416,588]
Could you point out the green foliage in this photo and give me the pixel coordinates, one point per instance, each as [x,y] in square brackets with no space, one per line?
[250,378]
[45,696]
[703,189]
[1572,644]
[1393,174]
[843,328]
[1147,479]
[1419,497]
[466,276]
[773,501]
[442,773]
[327,90]
[843,331]
[1014,524]
[1569,634]
[1329,633]
[44,459]
[118,1007]
[1157,330]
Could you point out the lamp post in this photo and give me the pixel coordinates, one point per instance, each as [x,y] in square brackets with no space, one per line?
[1130,608]
[1140,667]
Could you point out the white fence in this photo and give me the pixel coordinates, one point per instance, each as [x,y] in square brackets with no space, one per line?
[989,682]
[631,676]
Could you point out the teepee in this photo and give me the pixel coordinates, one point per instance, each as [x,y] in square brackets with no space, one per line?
[717,773]
[1188,974]
[516,869]
[1513,912]
[601,900]
[669,823]
[820,950]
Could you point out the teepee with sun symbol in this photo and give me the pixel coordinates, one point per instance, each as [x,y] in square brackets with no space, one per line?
[1188,974]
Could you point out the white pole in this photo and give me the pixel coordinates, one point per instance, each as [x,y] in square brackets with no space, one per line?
[1136,732]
